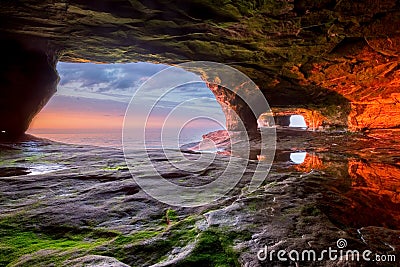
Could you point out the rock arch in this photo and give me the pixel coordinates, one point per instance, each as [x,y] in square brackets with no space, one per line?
[346,67]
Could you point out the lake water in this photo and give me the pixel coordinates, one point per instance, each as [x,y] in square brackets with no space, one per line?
[114,138]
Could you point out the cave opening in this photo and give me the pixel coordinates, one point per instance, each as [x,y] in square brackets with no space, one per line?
[285,119]
[91,101]
[294,121]
[297,121]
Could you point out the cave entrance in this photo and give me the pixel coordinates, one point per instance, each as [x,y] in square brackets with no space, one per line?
[283,121]
[91,99]
[290,121]
[298,121]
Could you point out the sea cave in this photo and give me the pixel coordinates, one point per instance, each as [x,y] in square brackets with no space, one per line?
[330,73]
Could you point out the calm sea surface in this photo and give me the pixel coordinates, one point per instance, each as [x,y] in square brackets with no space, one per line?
[114,138]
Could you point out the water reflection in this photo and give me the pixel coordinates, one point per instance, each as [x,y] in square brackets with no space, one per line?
[44,168]
[372,198]
[311,162]
[357,193]
[378,177]
[29,157]
[298,157]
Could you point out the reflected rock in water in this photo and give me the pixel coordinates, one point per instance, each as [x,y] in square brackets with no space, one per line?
[310,162]
[383,179]
[372,198]
[298,157]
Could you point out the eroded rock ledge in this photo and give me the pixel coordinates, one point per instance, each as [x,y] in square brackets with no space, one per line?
[28,79]
[338,58]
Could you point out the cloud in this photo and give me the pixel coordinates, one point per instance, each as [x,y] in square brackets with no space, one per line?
[119,82]
[108,88]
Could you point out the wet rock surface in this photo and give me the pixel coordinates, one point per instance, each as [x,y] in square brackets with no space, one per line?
[89,210]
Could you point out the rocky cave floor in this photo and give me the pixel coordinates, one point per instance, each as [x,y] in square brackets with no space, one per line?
[71,205]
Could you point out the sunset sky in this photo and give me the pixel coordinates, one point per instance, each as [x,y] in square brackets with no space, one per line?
[94,97]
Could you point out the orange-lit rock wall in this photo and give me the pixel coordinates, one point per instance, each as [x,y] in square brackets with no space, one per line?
[369,79]
[384,115]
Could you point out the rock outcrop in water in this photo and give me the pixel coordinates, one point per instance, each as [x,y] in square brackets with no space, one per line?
[338,58]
